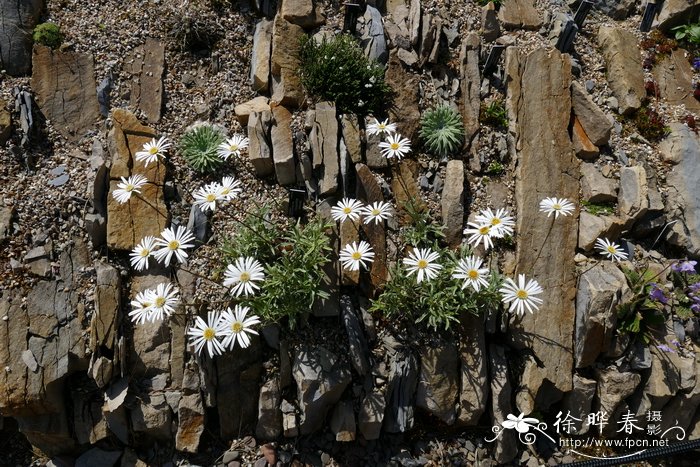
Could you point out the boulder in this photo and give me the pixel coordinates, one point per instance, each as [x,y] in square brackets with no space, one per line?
[259,151]
[18,21]
[675,13]
[583,146]
[190,423]
[151,417]
[147,68]
[594,121]
[404,110]
[438,382]
[539,106]
[375,158]
[592,227]
[600,291]
[147,213]
[302,13]
[624,67]
[372,37]
[674,75]
[257,104]
[614,387]
[260,58]
[284,63]
[404,185]
[452,202]
[64,87]
[283,146]
[632,199]
[369,191]
[470,103]
[595,187]
[519,14]
[324,147]
[350,130]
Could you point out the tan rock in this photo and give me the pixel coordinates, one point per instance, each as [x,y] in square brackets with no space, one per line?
[674,75]
[259,151]
[260,59]
[5,125]
[147,67]
[404,111]
[302,12]
[286,85]
[592,119]
[452,203]
[257,104]
[369,191]
[349,233]
[324,147]
[519,14]
[404,185]
[470,86]
[624,66]
[283,146]
[585,149]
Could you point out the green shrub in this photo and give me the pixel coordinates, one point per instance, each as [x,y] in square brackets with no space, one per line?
[688,32]
[494,114]
[422,230]
[442,130]
[199,146]
[337,70]
[48,34]
[292,280]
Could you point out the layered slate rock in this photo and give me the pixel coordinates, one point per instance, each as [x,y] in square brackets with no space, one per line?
[259,151]
[438,382]
[600,291]
[539,106]
[324,147]
[624,67]
[244,110]
[676,12]
[283,146]
[404,111]
[147,68]
[452,202]
[593,120]
[64,86]
[142,215]
[683,200]
[18,20]
[260,59]
[284,63]
[674,75]
[302,13]
[470,103]
[633,197]
[519,14]
[474,381]
[369,191]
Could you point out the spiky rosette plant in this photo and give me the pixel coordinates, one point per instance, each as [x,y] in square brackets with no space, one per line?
[442,130]
[199,146]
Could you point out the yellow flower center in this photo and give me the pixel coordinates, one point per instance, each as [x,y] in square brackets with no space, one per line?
[394,146]
[211,197]
[174,245]
[376,212]
[129,187]
[356,255]
[473,274]
[521,294]
[244,277]
[612,250]
[153,150]
[237,327]
[484,230]
[233,148]
[209,334]
[495,221]
[144,252]
[146,304]
[347,210]
[160,301]
[556,206]
[225,191]
[422,264]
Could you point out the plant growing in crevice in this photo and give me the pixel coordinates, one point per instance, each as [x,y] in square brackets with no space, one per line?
[495,169]
[48,34]
[494,114]
[257,236]
[598,209]
[640,315]
[199,146]
[338,70]
[688,32]
[194,32]
[650,123]
[421,229]
[442,130]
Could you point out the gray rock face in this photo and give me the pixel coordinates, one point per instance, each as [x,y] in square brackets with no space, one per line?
[321,379]
[324,146]
[674,75]
[452,203]
[595,123]
[372,39]
[501,406]
[600,291]
[624,67]
[283,146]
[539,108]
[676,12]
[633,197]
[359,350]
[474,383]
[64,83]
[470,103]
[403,378]
[147,68]
[269,424]
[595,187]
[438,382]
[680,145]
[18,21]
[259,150]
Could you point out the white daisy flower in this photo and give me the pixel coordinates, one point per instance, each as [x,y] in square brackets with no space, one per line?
[174,242]
[478,233]
[206,333]
[152,150]
[164,300]
[501,223]
[128,186]
[233,146]
[471,271]
[141,307]
[421,260]
[377,128]
[521,295]
[354,255]
[610,249]
[556,206]
[230,188]
[395,146]
[376,212]
[141,253]
[242,275]
[236,327]
[207,196]
[347,208]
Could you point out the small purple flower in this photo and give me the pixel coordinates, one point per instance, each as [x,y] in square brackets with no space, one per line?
[695,288]
[685,266]
[665,348]
[696,63]
[695,308]
[657,294]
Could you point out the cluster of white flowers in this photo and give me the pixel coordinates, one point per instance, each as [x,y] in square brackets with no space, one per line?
[489,225]
[352,209]
[207,196]
[173,242]
[154,304]
[395,145]
[222,330]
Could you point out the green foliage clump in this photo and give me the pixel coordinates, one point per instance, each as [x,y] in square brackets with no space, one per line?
[438,302]
[495,168]
[689,32]
[640,315]
[337,70]
[293,278]
[257,237]
[494,114]
[442,130]
[598,209]
[650,124]
[48,34]
[422,229]
[199,146]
